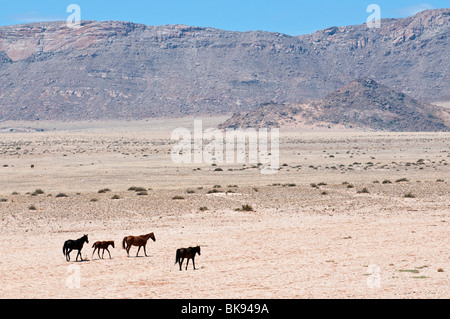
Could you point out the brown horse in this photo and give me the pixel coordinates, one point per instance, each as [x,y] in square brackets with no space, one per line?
[139,241]
[102,245]
[188,253]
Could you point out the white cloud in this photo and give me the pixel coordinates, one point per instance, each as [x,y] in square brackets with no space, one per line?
[412,10]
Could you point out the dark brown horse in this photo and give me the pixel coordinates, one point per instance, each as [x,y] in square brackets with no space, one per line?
[188,253]
[139,241]
[70,245]
[102,245]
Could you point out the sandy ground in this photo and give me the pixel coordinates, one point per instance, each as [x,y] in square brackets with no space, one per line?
[327,240]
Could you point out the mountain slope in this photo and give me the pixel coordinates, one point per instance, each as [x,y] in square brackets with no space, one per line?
[120,70]
[362,104]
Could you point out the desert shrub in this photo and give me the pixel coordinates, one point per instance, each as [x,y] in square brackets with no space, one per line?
[94,200]
[386,181]
[32,207]
[104,190]
[143,193]
[61,195]
[218,169]
[246,208]
[115,197]
[37,192]
[190,191]
[3,200]
[404,179]
[409,195]
[178,197]
[203,208]
[363,191]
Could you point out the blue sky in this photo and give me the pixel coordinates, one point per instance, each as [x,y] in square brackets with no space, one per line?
[292,17]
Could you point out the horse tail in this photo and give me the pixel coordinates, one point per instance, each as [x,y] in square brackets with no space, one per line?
[123,242]
[177,256]
[64,248]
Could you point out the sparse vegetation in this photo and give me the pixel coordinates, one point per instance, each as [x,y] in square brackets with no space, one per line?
[137,189]
[414,271]
[37,192]
[409,195]
[104,190]
[246,208]
[32,207]
[61,195]
[363,191]
[115,197]
[177,197]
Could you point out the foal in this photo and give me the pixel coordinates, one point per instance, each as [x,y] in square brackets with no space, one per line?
[102,245]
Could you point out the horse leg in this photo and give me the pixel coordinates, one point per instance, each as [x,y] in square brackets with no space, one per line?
[193,263]
[138,251]
[181,262]
[68,254]
[187,263]
[145,252]
[108,253]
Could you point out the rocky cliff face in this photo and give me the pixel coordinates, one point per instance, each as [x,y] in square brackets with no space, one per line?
[119,70]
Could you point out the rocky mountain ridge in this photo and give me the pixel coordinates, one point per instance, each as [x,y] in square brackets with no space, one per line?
[122,70]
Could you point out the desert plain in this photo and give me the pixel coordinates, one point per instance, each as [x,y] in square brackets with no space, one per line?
[348,215]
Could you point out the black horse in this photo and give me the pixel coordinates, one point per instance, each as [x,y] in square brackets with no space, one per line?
[70,245]
[188,253]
